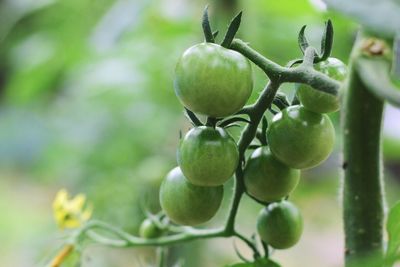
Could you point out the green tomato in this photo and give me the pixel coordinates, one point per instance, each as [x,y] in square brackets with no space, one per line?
[260,262]
[213,80]
[148,229]
[188,204]
[208,156]
[266,178]
[318,101]
[280,225]
[299,138]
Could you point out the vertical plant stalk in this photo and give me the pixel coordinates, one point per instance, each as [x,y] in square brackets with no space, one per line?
[363,197]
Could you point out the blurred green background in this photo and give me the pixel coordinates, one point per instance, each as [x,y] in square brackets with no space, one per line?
[87,104]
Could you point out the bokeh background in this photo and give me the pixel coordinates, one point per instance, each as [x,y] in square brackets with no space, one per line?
[87,104]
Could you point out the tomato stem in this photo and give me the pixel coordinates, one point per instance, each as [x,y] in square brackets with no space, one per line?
[304,73]
[123,239]
[363,197]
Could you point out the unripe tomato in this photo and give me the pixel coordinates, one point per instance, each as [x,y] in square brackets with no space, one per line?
[280,225]
[318,101]
[213,80]
[208,156]
[188,204]
[299,138]
[260,262]
[148,229]
[266,178]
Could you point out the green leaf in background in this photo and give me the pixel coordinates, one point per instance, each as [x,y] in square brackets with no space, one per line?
[257,263]
[380,17]
[393,229]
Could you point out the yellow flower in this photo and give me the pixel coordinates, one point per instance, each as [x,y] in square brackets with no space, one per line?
[70,212]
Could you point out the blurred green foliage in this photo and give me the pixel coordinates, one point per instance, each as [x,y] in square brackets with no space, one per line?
[87,103]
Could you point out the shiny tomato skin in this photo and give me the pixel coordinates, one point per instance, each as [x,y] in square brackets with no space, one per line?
[299,138]
[318,101]
[212,80]
[188,204]
[266,178]
[207,156]
[280,225]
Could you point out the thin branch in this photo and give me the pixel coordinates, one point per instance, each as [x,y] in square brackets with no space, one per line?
[249,243]
[303,73]
[263,102]
[238,253]
[271,69]
[124,239]
[232,120]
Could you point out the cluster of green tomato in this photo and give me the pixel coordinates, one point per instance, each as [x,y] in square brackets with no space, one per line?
[213,81]
[216,82]
[299,137]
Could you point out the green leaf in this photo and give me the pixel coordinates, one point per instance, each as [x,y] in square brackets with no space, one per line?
[232,30]
[393,229]
[192,118]
[215,34]
[205,23]
[327,41]
[302,40]
[380,17]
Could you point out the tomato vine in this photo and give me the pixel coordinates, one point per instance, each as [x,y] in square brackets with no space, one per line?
[303,72]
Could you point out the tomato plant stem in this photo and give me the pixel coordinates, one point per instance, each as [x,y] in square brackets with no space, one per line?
[304,73]
[362,166]
[124,239]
